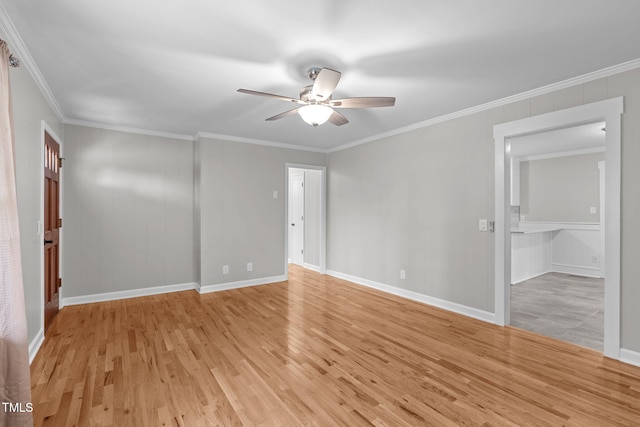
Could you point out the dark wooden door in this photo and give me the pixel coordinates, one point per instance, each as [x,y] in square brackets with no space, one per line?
[52,224]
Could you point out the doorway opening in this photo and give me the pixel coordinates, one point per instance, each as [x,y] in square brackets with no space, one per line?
[51,228]
[609,112]
[557,233]
[306,217]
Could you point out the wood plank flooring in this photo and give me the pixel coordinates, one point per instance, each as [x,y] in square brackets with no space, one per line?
[314,351]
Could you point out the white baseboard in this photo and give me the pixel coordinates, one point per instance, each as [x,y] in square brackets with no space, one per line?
[629,356]
[143,292]
[240,284]
[436,302]
[565,269]
[576,270]
[35,345]
[312,267]
[533,276]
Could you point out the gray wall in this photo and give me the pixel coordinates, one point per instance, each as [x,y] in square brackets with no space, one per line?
[29,109]
[561,189]
[413,201]
[240,220]
[128,203]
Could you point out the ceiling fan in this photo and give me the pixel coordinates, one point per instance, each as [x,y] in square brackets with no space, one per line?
[317,106]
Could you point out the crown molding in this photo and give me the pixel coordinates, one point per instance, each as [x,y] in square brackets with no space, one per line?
[20,49]
[258,142]
[574,81]
[89,124]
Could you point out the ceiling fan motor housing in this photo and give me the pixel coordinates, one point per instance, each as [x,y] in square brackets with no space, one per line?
[306,95]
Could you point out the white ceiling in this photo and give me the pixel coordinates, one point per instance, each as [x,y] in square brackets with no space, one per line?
[582,138]
[174,67]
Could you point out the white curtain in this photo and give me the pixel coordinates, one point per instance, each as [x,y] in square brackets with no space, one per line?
[15,391]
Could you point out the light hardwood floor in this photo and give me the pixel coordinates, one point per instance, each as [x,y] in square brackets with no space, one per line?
[314,351]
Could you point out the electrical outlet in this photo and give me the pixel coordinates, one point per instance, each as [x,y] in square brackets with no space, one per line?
[593,210]
[249,266]
[403,274]
[225,269]
[595,259]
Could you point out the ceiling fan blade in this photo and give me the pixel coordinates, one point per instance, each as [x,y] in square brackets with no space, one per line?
[268,95]
[364,102]
[283,115]
[325,83]
[338,119]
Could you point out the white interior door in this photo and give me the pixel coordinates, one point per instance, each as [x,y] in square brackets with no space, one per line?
[297,219]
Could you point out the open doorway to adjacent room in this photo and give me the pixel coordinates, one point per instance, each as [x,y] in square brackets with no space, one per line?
[557,233]
[607,112]
[306,201]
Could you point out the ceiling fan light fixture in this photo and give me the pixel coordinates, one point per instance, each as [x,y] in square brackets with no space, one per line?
[315,114]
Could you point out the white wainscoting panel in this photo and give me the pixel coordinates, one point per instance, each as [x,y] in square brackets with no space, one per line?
[573,248]
[577,251]
[531,255]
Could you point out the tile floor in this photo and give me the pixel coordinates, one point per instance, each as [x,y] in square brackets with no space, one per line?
[563,306]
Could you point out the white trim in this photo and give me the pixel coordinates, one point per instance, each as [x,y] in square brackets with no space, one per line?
[588,226]
[258,142]
[629,356]
[610,111]
[311,267]
[562,154]
[574,81]
[576,270]
[415,296]
[20,49]
[95,125]
[533,276]
[240,284]
[35,345]
[133,293]
[603,215]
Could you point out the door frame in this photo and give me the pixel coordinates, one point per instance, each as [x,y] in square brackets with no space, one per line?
[323,215]
[609,111]
[291,208]
[44,127]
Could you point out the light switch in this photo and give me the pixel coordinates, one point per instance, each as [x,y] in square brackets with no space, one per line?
[275,194]
[482,225]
